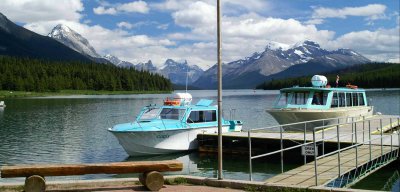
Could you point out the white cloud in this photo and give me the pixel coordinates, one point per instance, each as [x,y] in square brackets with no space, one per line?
[163,26]
[371,12]
[124,24]
[113,9]
[243,33]
[103,11]
[27,11]
[135,6]
[227,6]
[314,21]
[379,45]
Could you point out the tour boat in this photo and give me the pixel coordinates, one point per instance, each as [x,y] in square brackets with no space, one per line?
[321,101]
[2,104]
[172,127]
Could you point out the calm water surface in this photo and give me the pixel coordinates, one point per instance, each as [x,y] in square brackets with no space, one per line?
[73,129]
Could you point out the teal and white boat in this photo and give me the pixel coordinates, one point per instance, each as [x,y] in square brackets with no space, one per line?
[297,104]
[172,127]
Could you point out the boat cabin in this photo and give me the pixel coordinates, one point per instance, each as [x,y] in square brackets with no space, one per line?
[320,98]
[172,116]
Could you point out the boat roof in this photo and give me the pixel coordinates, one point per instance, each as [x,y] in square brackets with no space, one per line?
[339,89]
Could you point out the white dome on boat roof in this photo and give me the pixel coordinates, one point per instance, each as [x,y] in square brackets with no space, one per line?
[319,81]
[185,98]
[182,96]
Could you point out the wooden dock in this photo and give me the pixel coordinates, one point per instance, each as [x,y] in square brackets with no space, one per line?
[327,169]
[357,148]
[237,142]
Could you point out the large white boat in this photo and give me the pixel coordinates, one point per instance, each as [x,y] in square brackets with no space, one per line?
[297,104]
[172,127]
[2,104]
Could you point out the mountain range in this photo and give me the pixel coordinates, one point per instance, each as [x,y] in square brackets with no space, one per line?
[276,61]
[279,61]
[173,70]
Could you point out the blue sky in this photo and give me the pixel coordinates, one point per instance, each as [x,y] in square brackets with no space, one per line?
[138,31]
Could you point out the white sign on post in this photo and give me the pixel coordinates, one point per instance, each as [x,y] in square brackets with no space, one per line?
[308,150]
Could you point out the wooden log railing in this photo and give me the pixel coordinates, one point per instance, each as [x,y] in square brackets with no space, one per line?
[150,177]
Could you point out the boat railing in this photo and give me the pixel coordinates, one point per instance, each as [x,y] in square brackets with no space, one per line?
[365,132]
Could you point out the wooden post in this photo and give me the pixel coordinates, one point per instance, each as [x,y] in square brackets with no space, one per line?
[153,180]
[35,183]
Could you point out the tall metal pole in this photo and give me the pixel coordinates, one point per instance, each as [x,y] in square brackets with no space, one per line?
[219,91]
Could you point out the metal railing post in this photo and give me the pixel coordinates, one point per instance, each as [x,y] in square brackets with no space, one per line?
[315,159]
[369,135]
[305,141]
[323,138]
[391,127]
[363,129]
[352,130]
[391,143]
[281,149]
[338,144]
[380,123]
[250,163]
[355,131]
[398,136]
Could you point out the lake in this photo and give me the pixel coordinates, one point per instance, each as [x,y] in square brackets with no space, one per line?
[73,129]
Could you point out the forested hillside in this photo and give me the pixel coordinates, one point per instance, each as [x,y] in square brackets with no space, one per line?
[375,75]
[24,74]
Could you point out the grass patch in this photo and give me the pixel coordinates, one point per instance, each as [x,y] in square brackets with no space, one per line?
[13,94]
[176,181]
[12,188]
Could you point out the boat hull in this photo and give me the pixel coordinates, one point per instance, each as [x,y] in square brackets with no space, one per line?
[287,116]
[142,143]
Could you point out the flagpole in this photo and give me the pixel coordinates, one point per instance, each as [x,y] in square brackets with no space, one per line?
[219,91]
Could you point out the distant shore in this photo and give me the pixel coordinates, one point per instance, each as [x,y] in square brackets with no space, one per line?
[13,94]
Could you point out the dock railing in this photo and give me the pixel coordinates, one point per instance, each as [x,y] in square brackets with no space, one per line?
[319,138]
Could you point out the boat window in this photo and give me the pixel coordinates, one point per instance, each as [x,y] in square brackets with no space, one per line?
[172,113]
[355,99]
[361,99]
[342,100]
[202,116]
[319,98]
[283,99]
[150,113]
[299,98]
[335,100]
[348,100]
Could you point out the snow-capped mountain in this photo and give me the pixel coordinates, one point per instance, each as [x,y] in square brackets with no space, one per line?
[148,66]
[177,72]
[20,42]
[116,61]
[278,57]
[72,39]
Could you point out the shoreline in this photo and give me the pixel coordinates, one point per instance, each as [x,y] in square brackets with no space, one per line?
[19,94]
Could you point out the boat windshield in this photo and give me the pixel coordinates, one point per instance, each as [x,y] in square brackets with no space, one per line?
[172,113]
[150,113]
